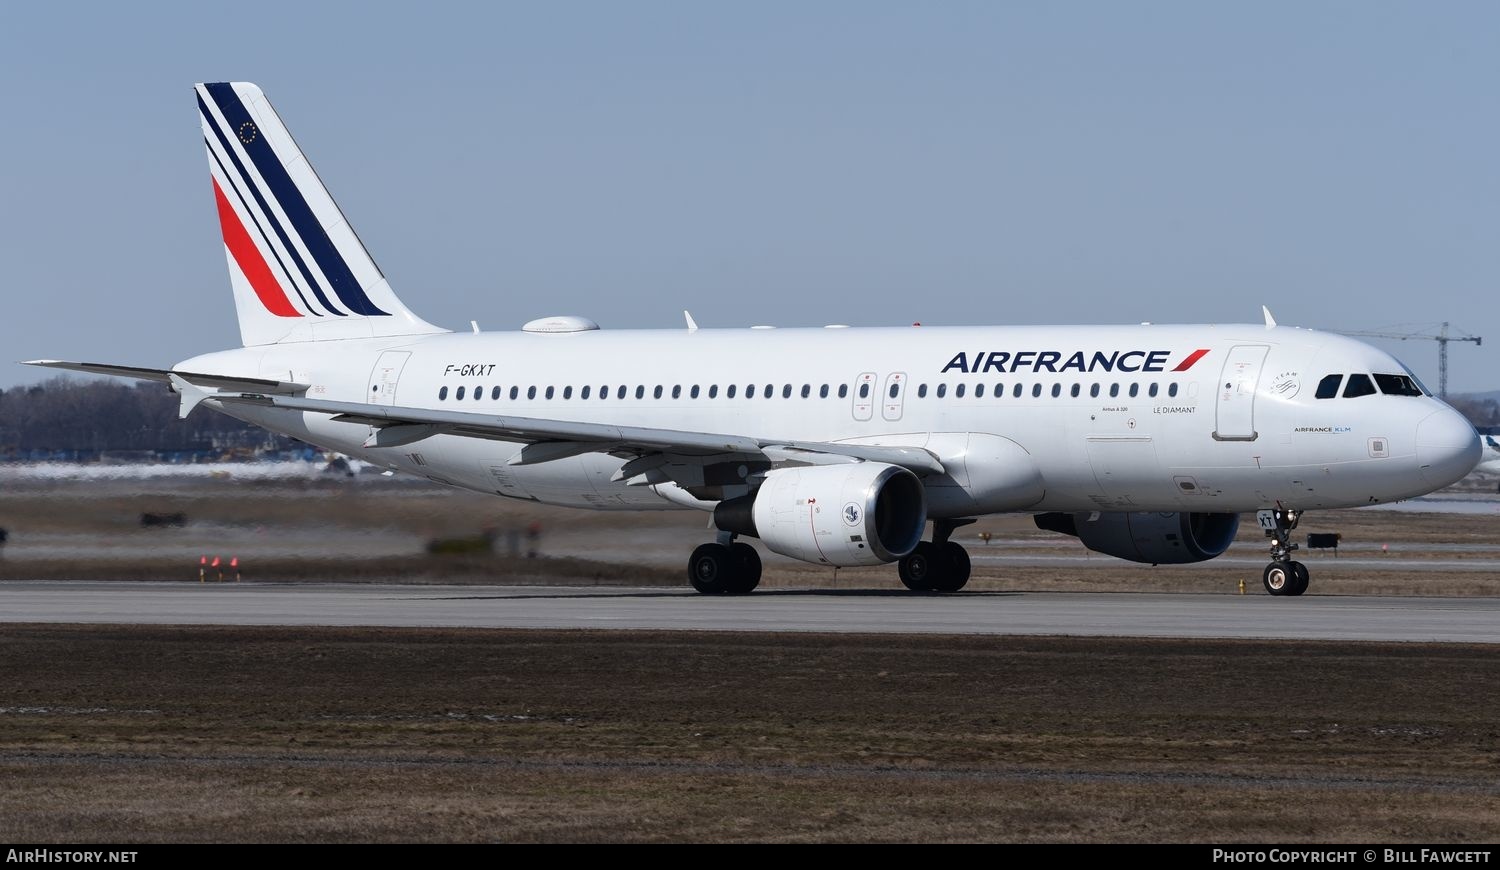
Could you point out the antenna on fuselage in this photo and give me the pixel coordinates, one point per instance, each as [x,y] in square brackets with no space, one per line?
[692,324]
[1270,321]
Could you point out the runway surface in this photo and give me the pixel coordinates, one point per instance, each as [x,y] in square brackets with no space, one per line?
[1449,620]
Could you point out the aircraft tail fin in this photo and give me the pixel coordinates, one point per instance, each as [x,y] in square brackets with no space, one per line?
[299,271]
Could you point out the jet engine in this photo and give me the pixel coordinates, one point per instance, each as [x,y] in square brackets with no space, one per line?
[1157,538]
[847,515]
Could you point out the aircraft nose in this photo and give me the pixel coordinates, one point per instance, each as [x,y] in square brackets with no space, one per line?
[1447,447]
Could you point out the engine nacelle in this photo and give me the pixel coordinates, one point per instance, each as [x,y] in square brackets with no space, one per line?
[1157,538]
[848,515]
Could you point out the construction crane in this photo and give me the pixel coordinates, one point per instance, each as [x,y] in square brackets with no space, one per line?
[1442,337]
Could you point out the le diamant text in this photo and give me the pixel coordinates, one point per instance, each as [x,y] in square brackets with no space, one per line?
[1367,856]
[67,856]
[981,362]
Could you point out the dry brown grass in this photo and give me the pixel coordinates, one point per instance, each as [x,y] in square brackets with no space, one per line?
[361,734]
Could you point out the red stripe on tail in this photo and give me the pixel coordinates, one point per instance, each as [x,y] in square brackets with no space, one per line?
[247,255]
[1192,358]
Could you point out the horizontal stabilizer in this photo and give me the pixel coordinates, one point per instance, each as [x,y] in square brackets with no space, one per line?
[164,376]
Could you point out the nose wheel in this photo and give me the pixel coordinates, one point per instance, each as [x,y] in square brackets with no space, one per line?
[1284,576]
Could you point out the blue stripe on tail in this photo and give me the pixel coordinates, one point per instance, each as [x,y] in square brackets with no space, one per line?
[292,203]
[286,241]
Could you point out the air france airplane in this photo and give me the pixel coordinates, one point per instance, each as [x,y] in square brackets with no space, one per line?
[836,446]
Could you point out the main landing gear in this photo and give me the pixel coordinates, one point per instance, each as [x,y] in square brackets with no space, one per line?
[938,565]
[1283,576]
[725,567]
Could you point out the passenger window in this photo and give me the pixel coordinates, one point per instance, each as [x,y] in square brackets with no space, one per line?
[1359,385]
[693,393]
[1056,390]
[459,394]
[656,393]
[770,389]
[1093,391]
[922,391]
[806,390]
[895,388]
[1172,389]
[1151,391]
[585,393]
[786,391]
[958,391]
[1397,385]
[864,391]
[713,391]
[729,393]
[442,393]
[750,391]
[620,392]
[843,391]
[1075,390]
[979,391]
[479,394]
[942,390]
[1114,391]
[823,392]
[1017,391]
[640,391]
[1328,388]
[530,393]
[549,392]
[514,393]
[677,391]
[999,391]
[1036,391]
[1135,390]
[567,392]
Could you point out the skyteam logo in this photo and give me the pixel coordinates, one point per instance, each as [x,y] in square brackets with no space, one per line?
[852,514]
[1055,361]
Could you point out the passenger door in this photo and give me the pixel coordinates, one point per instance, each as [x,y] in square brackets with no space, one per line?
[1235,416]
[386,375]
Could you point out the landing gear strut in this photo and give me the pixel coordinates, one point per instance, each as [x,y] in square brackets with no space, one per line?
[725,567]
[1283,576]
[938,565]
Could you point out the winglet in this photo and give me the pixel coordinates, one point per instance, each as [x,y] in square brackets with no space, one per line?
[1270,321]
[692,325]
[191,396]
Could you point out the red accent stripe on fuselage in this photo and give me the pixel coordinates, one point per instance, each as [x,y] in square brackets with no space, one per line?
[247,255]
[1192,358]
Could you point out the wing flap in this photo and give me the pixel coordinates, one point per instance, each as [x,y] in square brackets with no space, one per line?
[565,438]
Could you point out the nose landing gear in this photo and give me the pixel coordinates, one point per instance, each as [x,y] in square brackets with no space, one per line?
[1284,576]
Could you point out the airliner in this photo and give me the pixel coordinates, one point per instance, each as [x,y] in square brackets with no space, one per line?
[837,446]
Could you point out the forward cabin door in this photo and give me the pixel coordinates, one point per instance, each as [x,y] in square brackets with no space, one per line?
[1235,415]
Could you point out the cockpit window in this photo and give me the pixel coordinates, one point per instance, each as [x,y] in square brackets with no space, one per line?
[1414,379]
[1328,388]
[1359,385]
[1397,385]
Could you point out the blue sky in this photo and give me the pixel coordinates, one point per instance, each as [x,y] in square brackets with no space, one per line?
[787,163]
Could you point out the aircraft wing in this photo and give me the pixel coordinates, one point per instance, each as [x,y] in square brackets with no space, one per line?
[547,440]
[164,376]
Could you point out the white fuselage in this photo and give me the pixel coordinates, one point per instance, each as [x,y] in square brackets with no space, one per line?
[1101,414]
